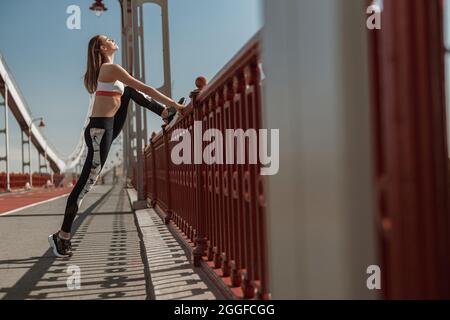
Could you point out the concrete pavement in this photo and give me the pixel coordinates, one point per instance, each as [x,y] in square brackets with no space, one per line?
[172,274]
[9,201]
[119,254]
[106,250]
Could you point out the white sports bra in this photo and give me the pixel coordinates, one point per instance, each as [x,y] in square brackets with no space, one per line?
[109,88]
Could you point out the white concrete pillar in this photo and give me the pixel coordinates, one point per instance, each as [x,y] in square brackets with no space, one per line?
[321,230]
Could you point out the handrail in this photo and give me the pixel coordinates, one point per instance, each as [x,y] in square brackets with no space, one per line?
[251,46]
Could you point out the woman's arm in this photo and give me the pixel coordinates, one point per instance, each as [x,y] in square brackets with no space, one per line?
[119,73]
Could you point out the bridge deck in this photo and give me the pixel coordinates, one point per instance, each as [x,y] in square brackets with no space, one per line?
[114,263]
[9,202]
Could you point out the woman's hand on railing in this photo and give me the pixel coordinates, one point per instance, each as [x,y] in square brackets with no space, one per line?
[179,107]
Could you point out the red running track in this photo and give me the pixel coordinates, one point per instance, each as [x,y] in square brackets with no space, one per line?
[19,199]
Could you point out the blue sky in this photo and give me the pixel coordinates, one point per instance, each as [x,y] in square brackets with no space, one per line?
[48,60]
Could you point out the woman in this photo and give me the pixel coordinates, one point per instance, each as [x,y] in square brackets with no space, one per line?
[106,80]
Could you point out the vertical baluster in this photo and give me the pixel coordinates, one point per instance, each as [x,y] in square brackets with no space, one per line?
[193,178]
[237,174]
[183,190]
[253,269]
[214,197]
[179,199]
[145,166]
[230,252]
[178,190]
[153,172]
[200,230]
[248,275]
[263,290]
[210,230]
[167,161]
[218,180]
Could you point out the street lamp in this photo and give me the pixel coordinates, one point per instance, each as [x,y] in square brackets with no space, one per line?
[45,157]
[41,125]
[46,163]
[98,7]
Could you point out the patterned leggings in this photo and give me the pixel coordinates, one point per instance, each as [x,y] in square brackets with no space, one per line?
[99,135]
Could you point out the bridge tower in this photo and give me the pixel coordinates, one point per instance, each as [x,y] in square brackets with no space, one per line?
[5,130]
[135,133]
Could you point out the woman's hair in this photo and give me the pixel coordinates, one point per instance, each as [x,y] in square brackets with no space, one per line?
[95,59]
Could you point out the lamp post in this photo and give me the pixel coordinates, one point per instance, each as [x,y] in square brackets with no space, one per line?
[45,157]
[46,163]
[41,125]
[6,132]
[98,7]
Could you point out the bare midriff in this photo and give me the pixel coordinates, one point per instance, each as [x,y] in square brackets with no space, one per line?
[105,106]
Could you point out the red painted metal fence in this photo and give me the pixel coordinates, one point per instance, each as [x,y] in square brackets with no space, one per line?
[18,180]
[411,169]
[57,178]
[219,207]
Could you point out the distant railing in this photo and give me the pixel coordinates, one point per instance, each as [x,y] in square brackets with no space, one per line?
[220,208]
[19,180]
[57,179]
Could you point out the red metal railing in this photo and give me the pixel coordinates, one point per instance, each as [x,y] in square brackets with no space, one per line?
[410,149]
[40,180]
[18,180]
[57,178]
[219,207]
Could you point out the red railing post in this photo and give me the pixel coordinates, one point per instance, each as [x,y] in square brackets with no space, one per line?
[227,257]
[200,236]
[236,178]
[168,216]
[144,165]
[259,196]
[410,150]
[153,172]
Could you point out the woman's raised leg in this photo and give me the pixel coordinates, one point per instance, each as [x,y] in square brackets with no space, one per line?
[138,97]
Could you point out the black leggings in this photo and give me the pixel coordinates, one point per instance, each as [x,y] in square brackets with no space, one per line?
[99,135]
